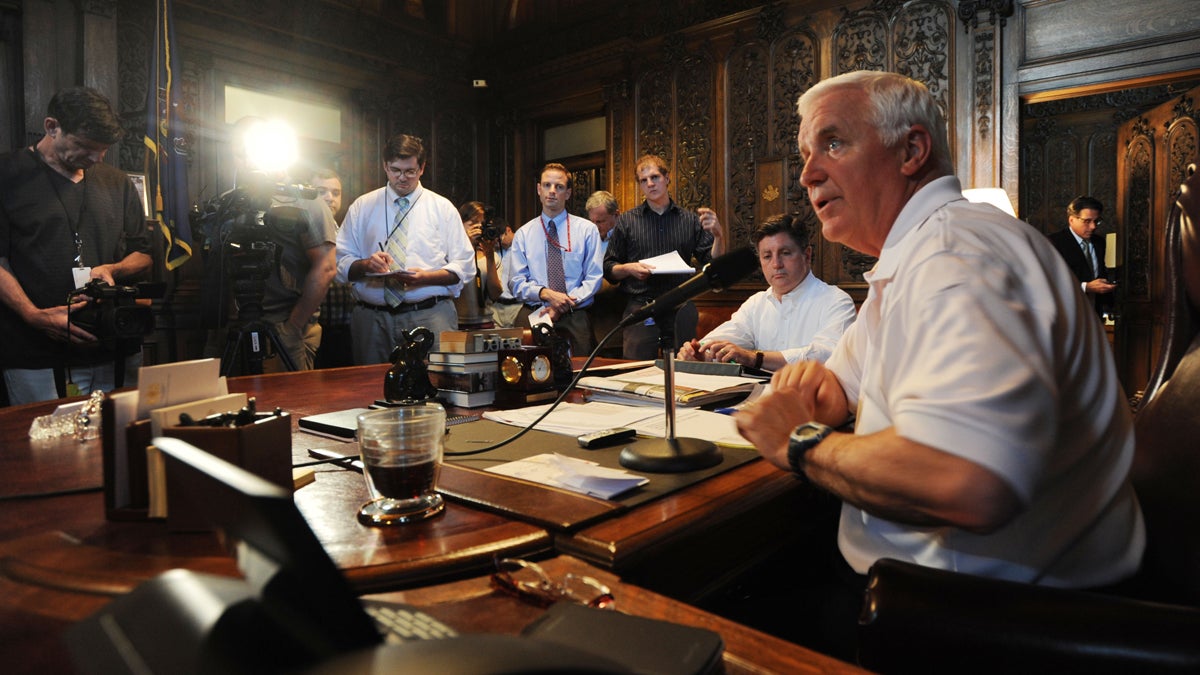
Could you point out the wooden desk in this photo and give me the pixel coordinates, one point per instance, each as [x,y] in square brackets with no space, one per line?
[462,540]
[684,544]
[471,606]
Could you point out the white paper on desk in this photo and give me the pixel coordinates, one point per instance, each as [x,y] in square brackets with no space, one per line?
[573,419]
[568,473]
[695,423]
[173,383]
[668,263]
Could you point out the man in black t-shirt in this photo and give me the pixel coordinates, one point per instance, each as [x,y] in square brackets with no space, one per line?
[65,218]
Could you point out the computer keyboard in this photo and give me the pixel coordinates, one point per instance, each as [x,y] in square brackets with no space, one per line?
[403,623]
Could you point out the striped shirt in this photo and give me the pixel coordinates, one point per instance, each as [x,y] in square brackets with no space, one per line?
[641,233]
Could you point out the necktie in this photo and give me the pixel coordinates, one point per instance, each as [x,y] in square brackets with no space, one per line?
[554,262]
[1091,257]
[393,289]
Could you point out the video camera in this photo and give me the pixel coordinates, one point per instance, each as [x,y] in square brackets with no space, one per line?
[114,312]
[243,231]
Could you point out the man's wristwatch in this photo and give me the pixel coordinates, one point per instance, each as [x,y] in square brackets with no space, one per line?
[758,360]
[804,438]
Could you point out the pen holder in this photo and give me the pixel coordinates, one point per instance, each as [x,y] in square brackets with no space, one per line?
[263,447]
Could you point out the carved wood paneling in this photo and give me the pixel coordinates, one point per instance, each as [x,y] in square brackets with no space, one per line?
[695,110]
[747,130]
[914,39]
[1138,214]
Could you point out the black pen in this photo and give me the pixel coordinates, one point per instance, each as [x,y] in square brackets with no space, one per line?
[323,453]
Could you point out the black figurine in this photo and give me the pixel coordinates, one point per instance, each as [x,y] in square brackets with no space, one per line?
[407,381]
[544,335]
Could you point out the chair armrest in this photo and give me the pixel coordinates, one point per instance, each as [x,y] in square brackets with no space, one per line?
[919,618]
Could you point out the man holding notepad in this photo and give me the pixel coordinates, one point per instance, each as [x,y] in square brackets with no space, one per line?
[656,226]
[404,249]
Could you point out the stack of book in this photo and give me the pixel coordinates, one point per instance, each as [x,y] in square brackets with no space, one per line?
[465,379]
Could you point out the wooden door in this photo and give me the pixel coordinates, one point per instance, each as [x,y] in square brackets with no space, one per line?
[1153,150]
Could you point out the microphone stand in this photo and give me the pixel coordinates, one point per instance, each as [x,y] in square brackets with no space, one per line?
[670,454]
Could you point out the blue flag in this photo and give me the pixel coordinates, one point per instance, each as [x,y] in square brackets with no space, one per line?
[166,148]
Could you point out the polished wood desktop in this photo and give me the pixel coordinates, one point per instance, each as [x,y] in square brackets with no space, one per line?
[60,551]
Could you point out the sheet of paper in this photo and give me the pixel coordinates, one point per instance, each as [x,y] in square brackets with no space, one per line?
[173,383]
[568,473]
[669,263]
[695,423]
[573,419]
[542,315]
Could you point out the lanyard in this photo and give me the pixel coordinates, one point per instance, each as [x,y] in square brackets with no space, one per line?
[73,224]
[554,240]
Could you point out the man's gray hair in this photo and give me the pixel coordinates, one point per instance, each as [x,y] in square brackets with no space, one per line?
[602,198]
[897,103]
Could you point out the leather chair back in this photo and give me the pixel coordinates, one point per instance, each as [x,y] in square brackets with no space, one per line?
[1166,468]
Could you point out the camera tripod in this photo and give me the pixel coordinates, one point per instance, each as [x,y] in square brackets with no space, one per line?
[249,335]
[254,335]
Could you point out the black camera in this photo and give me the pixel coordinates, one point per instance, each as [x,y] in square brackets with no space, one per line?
[113,312]
[492,229]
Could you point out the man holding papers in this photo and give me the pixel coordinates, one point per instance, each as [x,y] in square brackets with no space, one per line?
[798,318]
[656,226]
[555,262]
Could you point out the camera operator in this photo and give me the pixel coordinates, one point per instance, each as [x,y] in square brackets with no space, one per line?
[486,301]
[66,218]
[301,230]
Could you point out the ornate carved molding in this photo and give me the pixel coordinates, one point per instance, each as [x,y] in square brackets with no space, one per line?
[985,43]
[970,10]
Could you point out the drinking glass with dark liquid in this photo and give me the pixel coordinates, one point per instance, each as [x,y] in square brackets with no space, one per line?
[402,454]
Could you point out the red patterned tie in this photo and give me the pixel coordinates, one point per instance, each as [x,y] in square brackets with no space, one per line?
[554,262]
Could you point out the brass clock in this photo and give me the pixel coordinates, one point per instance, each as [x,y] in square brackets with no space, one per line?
[526,368]
[526,376]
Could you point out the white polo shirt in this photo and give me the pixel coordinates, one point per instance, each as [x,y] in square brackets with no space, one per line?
[974,340]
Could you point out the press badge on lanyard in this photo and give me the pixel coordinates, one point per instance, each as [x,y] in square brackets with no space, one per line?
[82,274]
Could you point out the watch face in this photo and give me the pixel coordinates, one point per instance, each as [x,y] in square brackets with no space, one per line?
[510,370]
[539,368]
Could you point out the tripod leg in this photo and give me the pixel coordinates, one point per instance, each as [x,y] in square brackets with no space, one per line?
[284,355]
[233,343]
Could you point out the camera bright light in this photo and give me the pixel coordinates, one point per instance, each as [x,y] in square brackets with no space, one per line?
[270,146]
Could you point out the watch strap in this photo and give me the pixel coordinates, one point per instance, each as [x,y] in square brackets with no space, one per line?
[758,360]
[804,438]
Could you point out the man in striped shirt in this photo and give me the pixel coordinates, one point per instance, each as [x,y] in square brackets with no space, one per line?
[657,226]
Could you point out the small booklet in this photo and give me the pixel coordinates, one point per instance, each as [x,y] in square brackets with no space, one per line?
[340,424]
[646,386]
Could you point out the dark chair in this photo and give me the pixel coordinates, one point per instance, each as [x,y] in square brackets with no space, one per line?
[917,618]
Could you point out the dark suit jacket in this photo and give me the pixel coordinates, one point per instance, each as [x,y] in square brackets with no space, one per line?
[1072,253]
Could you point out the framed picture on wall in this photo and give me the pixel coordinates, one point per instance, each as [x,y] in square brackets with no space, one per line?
[139,182]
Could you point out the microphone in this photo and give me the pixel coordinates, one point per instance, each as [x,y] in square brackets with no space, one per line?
[722,272]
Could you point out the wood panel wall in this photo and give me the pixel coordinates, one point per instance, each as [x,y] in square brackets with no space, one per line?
[709,84]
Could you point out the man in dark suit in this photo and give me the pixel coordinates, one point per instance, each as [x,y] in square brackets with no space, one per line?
[1084,253]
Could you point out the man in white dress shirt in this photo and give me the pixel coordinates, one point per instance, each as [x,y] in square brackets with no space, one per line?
[798,317]
[404,249]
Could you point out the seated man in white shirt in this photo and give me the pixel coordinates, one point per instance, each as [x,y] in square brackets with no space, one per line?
[798,318]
